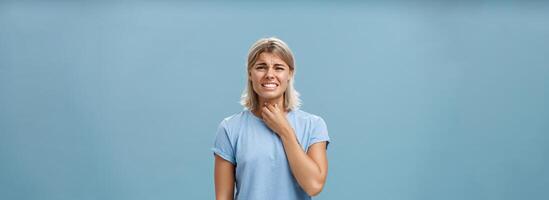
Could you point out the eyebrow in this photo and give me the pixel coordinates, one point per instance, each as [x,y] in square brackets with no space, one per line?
[277,64]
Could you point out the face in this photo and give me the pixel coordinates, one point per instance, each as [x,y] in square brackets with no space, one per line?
[270,76]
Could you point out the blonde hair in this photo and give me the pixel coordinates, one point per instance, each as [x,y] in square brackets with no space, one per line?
[249,98]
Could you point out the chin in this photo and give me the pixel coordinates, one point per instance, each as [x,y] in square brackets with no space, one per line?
[269,96]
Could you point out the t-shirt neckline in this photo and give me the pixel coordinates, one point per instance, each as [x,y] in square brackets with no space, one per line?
[257,118]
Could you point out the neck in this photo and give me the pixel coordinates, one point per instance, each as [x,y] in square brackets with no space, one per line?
[278,101]
[261,102]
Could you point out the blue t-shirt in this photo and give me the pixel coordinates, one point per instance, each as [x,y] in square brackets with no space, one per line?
[262,170]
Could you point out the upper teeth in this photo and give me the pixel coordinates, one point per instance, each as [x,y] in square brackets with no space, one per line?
[269,85]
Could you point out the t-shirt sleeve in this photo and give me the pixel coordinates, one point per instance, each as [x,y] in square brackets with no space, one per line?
[222,144]
[319,132]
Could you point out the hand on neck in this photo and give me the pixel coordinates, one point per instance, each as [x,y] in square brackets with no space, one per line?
[278,101]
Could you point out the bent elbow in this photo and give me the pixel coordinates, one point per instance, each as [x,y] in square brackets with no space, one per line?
[315,189]
[313,193]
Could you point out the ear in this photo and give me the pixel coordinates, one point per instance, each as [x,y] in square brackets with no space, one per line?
[291,75]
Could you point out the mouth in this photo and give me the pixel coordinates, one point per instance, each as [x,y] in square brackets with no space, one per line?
[270,86]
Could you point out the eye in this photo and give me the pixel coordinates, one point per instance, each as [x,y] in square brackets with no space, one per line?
[280,68]
[260,67]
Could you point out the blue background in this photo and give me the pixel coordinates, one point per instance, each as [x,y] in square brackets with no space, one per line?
[423,100]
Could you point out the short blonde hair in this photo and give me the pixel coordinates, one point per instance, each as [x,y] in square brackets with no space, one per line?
[249,98]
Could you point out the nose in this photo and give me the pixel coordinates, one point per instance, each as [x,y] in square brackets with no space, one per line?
[269,74]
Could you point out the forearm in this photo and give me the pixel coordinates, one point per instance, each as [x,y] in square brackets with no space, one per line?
[223,189]
[223,179]
[306,171]
[223,196]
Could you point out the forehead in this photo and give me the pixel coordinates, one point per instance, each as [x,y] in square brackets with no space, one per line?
[267,57]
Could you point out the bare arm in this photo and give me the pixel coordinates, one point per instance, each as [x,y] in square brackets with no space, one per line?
[224,179]
[310,169]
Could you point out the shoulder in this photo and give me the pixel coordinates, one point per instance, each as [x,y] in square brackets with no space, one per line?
[309,120]
[234,124]
[233,119]
[302,115]
[310,126]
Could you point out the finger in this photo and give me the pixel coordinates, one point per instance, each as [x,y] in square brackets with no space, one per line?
[271,108]
[277,107]
[265,106]
[263,116]
[267,115]
[265,110]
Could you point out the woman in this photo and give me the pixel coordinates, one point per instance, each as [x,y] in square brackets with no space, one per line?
[272,149]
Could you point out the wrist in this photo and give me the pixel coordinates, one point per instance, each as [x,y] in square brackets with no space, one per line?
[287,135]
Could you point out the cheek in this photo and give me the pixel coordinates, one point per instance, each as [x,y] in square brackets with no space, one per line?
[256,76]
[253,78]
[285,81]
[285,78]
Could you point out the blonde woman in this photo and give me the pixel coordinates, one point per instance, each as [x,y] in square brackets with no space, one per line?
[271,149]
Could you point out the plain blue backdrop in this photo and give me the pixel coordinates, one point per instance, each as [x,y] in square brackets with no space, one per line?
[423,100]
